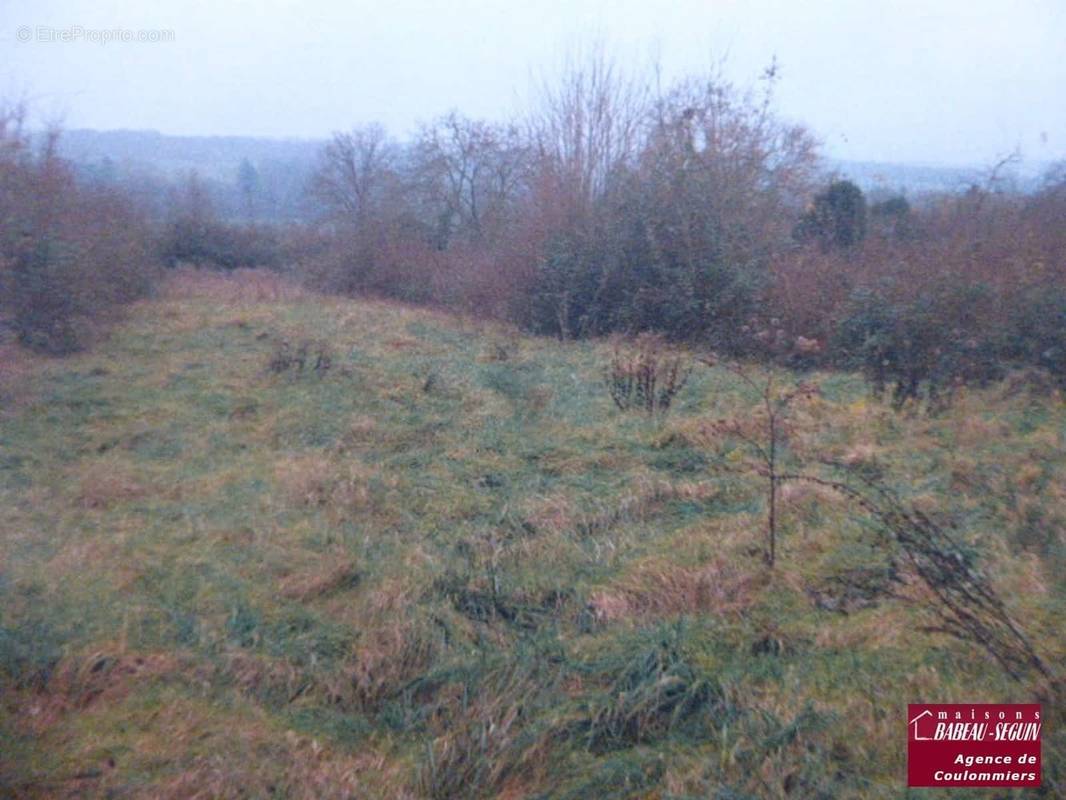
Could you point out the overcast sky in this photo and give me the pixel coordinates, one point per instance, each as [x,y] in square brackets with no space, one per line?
[944,81]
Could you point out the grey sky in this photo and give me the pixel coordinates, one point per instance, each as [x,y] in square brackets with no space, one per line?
[949,81]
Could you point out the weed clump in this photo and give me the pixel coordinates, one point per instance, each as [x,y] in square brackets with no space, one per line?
[646,376]
[311,355]
[655,693]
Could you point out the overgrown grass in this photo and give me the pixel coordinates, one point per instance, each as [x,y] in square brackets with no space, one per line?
[447,566]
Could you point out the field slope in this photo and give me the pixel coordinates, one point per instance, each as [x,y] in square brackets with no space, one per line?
[443,564]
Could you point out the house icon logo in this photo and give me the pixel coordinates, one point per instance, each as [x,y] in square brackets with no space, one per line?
[922,720]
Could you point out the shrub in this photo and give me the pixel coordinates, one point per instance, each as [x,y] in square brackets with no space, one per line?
[960,597]
[923,346]
[615,212]
[891,217]
[1037,330]
[189,240]
[836,218]
[563,295]
[306,354]
[766,443]
[69,253]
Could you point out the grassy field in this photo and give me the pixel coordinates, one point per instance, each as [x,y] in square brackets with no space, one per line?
[445,565]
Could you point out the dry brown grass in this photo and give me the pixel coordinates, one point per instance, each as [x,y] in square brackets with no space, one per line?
[104,488]
[388,656]
[403,343]
[656,588]
[238,286]
[644,500]
[362,431]
[257,674]
[340,486]
[807,497]
[553,514]
[307,770]
[17,364]
[308,774]
[104,677]
[886,626]
[1027,475]
[93,555]
[973,431]
[861,454]
[307,480]
[324,578]
[239,755]
[393,647]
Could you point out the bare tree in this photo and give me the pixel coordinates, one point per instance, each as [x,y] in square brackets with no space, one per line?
[355,171]
[725,167]
[589,124]
[469,171]
[765,444]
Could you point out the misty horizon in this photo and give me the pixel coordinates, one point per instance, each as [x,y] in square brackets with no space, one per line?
[1027,165]
[959,85]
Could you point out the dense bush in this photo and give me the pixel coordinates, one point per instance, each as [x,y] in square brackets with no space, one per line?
[567,294]
[836,218]
[195,233]
[695,213]
[921,347]
[690,211]
[1037,331]
[70,253]
[607,210]
[212,243]
[952,289]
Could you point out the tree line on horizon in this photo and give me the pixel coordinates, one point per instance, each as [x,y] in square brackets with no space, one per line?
[617,204]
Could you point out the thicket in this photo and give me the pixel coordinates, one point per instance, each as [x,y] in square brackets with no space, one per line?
[609,208]
[695,212]
[193,231]
[70,252]
[615,205]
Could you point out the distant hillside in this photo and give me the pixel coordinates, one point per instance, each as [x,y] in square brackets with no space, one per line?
[922,178]
[908,178]
[216,157]
[284,167]
[148,162]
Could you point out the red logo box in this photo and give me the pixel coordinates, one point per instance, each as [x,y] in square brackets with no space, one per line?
[980,744]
